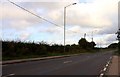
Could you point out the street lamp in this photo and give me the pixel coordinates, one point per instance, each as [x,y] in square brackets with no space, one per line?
[93,34]
[65,20]
[118,38]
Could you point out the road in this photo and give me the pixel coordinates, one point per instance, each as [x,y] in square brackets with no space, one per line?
[85,64]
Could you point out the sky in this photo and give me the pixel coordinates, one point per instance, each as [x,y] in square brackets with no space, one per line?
[93,17]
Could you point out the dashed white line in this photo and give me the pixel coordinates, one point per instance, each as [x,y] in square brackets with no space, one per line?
[106,65]
[104,69]
[108,62]
[67,61]
[110,58]
[101,75]
[9,75]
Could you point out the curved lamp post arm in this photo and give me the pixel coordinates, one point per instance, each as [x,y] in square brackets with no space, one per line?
[65,20]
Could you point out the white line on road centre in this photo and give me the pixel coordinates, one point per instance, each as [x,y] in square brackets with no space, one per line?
[67,61]
[9,75]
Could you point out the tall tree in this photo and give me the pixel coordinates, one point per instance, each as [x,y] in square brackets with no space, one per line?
[92,44]
[83,43]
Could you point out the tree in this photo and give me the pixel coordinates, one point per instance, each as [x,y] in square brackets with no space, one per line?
[83,43]
[113,45]
[92,44]
[119,47]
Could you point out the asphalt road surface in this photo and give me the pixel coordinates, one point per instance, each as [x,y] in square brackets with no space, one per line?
[85,64]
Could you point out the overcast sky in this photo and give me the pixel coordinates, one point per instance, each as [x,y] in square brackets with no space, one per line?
[87,16]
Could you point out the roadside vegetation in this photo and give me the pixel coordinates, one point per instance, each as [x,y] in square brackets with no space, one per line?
[118,38]
[12,50]
[116,47]
[119,48]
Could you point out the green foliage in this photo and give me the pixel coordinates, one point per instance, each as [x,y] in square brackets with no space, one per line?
[119,48]
[17,50]
[113,45]
[92,44]
[83,43]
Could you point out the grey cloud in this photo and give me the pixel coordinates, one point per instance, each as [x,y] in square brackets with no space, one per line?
[109,30]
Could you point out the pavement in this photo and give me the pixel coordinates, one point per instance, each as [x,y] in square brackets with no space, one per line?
[36,59]
[114,67]
[85,64]
[31,59]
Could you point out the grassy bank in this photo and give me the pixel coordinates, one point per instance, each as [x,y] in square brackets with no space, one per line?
[12,50]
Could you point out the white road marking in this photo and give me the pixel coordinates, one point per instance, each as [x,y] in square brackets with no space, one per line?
[108,62]
[104,69]
[107,65]
[9,75]
[101,75]
[110,58]
[67,61]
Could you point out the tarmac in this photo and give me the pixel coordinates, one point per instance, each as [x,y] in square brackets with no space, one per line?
[113,69]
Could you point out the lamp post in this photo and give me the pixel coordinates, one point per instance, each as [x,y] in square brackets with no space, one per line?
[118,38]
[65,20]
[93,34]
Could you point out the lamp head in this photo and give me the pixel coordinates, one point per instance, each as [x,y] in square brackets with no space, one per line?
[74,3]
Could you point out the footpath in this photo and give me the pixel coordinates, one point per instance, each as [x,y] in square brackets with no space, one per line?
[114,67]
[36,59]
